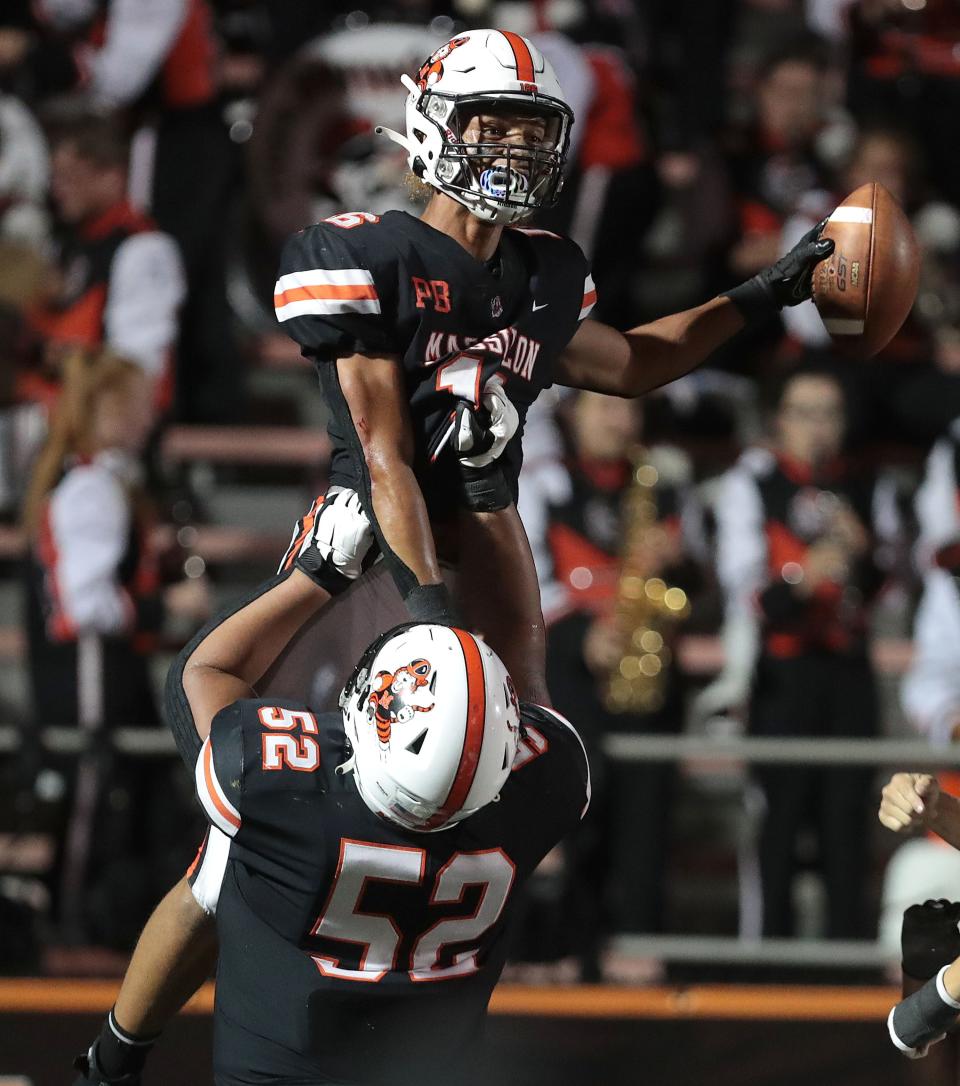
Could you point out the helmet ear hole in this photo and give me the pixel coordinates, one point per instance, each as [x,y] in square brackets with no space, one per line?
[416,745]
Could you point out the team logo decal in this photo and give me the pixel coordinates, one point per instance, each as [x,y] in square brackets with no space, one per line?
[432,68]
[396,696]
[496,307]
[512,694]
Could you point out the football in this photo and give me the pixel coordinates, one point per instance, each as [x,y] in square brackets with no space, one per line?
[866,288]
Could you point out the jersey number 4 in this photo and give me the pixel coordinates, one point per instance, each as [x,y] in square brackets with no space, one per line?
[378,935]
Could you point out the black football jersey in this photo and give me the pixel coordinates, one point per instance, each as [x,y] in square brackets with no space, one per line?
[353,950]
[360,283]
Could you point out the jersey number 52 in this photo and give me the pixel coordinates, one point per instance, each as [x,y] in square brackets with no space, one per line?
[379,936]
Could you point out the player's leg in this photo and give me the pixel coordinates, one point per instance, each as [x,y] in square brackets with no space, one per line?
[173,957]
[500,596]
[498,590]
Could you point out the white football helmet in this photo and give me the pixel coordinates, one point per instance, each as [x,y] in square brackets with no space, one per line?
[434,722]
[486,71]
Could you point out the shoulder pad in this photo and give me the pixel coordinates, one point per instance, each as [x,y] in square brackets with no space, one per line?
[219,769]
[543,729]
[335,287]
[251,742]
[566,257]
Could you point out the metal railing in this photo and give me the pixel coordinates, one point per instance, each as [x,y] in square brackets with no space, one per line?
[157,742]
[153,742]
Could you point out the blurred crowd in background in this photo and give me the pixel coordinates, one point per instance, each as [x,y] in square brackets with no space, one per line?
[154,155]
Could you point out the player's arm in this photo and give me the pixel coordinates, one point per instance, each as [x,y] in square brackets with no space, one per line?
[374,393]
[601,359]
[494,549]
[236,653]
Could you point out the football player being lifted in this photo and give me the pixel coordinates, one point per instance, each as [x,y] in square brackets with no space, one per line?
[360,867]
[433,336]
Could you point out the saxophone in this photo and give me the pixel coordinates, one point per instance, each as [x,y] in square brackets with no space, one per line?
[647,608]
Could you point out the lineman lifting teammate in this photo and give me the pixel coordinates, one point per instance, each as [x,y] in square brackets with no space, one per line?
[360,867]
[433,336]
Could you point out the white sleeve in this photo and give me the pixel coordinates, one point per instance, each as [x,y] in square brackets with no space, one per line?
[207,878]
[931,688]
[741,539]
[146,288]
[138,37]
[936,503]
[90,525]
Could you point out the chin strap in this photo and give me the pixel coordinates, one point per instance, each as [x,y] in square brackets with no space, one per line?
[397,137]
[347,767]
[381,130]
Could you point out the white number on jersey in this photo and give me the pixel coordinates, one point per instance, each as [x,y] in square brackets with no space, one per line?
[286,751]
[379,936]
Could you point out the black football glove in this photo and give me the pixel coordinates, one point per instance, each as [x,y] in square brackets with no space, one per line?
[115,1058]
[930,937]
[786,283]
[340,544]
[92,1072]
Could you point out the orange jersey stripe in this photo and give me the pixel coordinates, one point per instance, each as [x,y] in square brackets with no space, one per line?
[521,55]
[227,814]
[326,291]
[193,867]
[590,298]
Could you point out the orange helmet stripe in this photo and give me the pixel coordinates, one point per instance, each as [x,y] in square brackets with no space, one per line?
[473,733]
[522,57]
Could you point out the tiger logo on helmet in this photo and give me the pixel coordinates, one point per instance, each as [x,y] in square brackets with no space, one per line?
[436,769]
[431,71]
[391,701]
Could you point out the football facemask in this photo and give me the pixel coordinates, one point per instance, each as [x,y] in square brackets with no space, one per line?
[472,99]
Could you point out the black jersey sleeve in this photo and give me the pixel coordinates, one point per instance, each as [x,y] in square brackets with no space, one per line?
[254,747]
[553,759]
[563,280]
[219,770]
[336,288]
